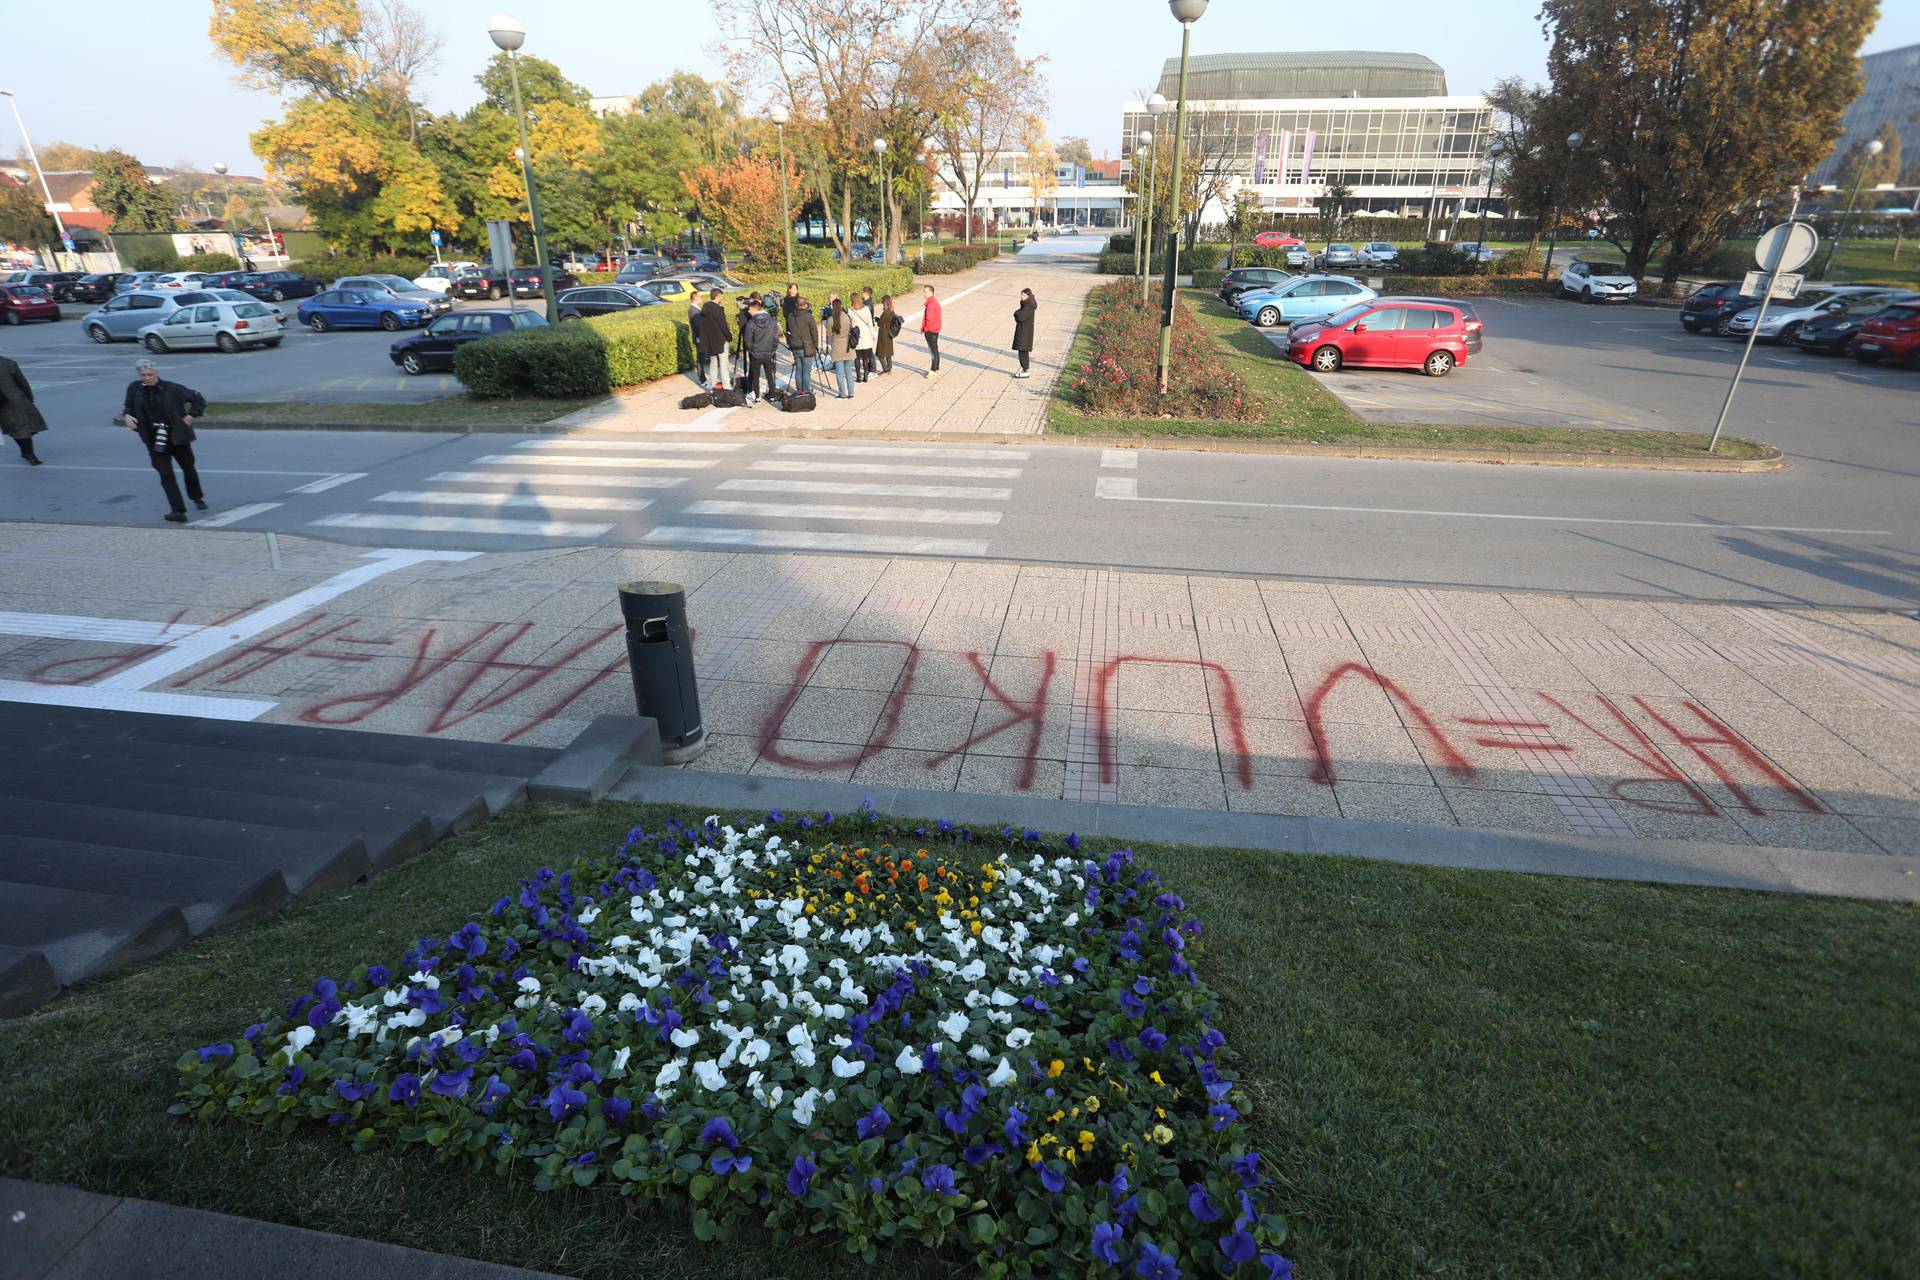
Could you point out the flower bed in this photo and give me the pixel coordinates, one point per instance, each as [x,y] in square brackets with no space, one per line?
[989,1048]
[1118,377]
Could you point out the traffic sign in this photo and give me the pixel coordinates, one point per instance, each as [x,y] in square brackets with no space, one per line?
[1785,285]
[434,236]
[67,241]
[1593,233]
[1787,247]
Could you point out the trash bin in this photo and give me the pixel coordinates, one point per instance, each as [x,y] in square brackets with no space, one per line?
[660,656]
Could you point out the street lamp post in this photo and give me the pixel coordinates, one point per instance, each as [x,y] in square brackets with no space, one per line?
[226,206]
[1480,237]
[1186,12]
[34,157]
[880,154]
[1157,106]
[1574,140]
[926,151]
[1874,148]
[1143,220]
[786,212]
[508,35]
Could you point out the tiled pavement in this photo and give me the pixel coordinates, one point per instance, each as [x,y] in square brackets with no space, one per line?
[1531,712]
[975,394]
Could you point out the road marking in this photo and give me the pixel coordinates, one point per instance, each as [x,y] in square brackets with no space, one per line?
[548,477]
[909,451]
[330,482]
[236,515]
[464,524]
[888,469]
[61,626]
[1479,515]
[1857,377]
[95,698]
[834,511]
[558,501]
[850,488]
[913,317]
[1121,459]
[591,460]
[1116,487]
[804,540]
[670,446]
[205,471]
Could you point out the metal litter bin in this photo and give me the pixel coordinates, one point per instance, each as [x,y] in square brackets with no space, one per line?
[660,656]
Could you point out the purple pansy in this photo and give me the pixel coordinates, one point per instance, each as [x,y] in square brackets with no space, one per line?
[1201,1205]
[1107,1239]
[800,1177]
[718,1130]
[938,1178]
[1155,1265]
[563,1100]
[452,1084]
[874,1122]
[406,1089]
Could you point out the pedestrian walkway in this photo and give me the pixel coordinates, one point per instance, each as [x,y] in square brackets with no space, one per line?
[975,393]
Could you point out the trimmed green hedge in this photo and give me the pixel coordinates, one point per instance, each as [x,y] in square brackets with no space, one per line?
[1467,284]
[327,269]
[1208,279]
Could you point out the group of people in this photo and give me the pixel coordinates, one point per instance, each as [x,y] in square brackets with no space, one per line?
[161,413]
[851,337]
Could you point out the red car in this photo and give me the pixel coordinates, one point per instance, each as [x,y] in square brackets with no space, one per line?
[22,302]
[1429,334]
[1891,334]
[1276,240]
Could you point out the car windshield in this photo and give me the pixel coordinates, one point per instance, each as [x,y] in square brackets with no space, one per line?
[28,291]
[1902,312]
[1347,316]
[393,282]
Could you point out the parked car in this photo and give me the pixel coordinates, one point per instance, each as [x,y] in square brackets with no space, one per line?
[1338,255]
[399,288]
[1475,329]
[225,279]
[97,287]
[1833,332]
[123,316]
[1785,316]
[20,303]
[1301,298]
[135,280]
[604,299]
[601,262]
[59,284]
[177,279]
[1276,240]
[682,259]
[1711,303]
[642,267]
[1387,333]
[1597,282]
[362,309]
[439,277]
[278,286]
[433,347]
[227,326]
[708,257]
[1298,255]
[1380,254]
[1241,279]
[528,281]
[1474,251]
[681,288]
[1892,334]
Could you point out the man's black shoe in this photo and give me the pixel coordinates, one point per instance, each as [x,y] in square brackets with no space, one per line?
[177,517]
[200,504]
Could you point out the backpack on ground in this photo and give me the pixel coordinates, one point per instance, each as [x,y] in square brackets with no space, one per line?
[799,402]
[699,400]
[728,399]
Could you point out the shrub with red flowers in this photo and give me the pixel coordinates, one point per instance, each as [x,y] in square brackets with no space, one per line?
[1119,377]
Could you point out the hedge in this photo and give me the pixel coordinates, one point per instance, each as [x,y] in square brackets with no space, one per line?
[594,357]
[1467,284]
[1208,279]
[956,258]
[331,268]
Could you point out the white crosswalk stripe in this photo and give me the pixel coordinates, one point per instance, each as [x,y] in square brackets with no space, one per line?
[809,540]
[838,511]
[870,489]
[590,460]
[535,501]
[615,446]
[908,451]
[464,524]
[889,469]
[593,481]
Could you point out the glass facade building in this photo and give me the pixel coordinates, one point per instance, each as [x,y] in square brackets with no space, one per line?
[1890,94]
[1289,125]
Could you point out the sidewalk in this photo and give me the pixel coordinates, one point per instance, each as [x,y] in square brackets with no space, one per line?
[975,394]
[1548,714]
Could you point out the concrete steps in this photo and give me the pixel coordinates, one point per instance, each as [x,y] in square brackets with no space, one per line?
[123,835]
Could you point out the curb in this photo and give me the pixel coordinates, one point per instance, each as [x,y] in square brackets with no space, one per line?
[1684,862]
[596,759]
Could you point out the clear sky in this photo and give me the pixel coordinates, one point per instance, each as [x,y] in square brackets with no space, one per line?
[171,98]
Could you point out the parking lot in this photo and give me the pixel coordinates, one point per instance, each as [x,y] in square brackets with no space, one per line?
[78,380]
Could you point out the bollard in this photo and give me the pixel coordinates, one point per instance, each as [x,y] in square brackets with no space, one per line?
[660,656]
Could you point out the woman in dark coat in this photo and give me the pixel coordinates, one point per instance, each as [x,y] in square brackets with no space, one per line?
[1023,331]
[20,418]
[888,322]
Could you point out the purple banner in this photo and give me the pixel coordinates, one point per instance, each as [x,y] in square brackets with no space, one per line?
[1306,156]
[1286,154]
[1260,141]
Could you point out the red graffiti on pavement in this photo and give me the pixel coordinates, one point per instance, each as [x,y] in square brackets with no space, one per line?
[1323,771]
[1648,757]
[300,638]
[1229,711]
[74,671]
[889,717]
[1534,727]
[1032,713]
[1723,736]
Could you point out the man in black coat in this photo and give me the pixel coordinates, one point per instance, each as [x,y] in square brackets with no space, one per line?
[803,340]
[162,413]
[19,417]
[711,337]
[1023,331]
[762,340]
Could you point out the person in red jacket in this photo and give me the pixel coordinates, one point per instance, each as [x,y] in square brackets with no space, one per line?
[930,327]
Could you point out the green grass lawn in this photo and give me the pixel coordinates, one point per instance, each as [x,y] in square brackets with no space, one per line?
[1301,410]
[452,411]
[1456,1074]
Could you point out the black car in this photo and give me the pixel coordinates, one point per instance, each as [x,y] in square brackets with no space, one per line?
[97,287]
[527,280]
[602,300]
[1711,304]
[58,283]
[1241,279]
[1833,333]
[278,286]
[433,347]
[642,267]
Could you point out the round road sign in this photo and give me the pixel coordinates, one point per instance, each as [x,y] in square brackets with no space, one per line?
[1787,247]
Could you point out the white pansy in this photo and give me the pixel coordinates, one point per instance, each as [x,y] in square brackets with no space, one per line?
[844,1070]
[803,1107]
[908,1063]
[1003,1075]
[588,914]
[629,1002]
[954,1026]
[298,1039]
[620,1059]
[1019,1038]
[979,1053]
[594,1004]
[973,971]
[684,1037]
[670,1073]
[708,1073]
[754,1052]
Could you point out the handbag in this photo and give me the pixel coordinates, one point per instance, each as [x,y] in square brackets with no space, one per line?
[898,325]
[853,336]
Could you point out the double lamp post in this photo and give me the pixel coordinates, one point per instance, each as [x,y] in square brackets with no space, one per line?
[508,35]
[1186,12]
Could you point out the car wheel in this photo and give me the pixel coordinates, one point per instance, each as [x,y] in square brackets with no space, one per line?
[1268,317]
[226,342]
[1787,331]
[389,321]
[10,317]
[1690,326]
[569,315]
[1867,357]
[154,342]
[99,334]
[1438,365]
[493,293]
[412,364]
[317,323]
[1327,360]
[278,295]
[271,342]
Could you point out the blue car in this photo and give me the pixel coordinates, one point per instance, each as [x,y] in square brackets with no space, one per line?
[1301,299]
[356,309]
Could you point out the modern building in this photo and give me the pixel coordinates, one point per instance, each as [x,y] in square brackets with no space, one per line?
[1890,94]
[1079,195]
[1287,126]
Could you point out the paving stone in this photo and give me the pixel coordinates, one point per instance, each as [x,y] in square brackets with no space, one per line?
[833,715]
[1165,739]
[857,665]
[920,770]
[931,723]
[1187,788]
[1388,802]
[1011,775]
[1898,836]
[1806,831]
[820,761]
[1292,795]
[1505,811]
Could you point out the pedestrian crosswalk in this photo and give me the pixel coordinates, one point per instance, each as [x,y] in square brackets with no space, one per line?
[762,494]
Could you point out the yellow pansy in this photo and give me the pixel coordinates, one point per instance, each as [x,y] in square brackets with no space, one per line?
[1054,1068]
[1086,1140]
[1161,1134]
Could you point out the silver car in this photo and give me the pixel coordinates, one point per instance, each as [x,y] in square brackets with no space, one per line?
[1340,255]
[122,317]
[400,288]
[226,326]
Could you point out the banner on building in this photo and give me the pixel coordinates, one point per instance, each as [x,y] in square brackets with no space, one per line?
[1260,141]
[1286,154]
[1306,156]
